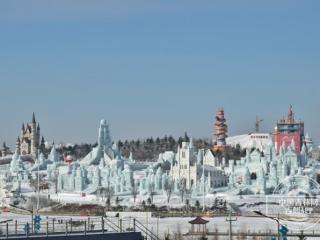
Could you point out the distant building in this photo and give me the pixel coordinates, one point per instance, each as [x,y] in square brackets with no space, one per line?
[28,143]
[189,164]
[186,167]
[288,130]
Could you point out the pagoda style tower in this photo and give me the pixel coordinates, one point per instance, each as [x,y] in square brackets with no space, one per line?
[221,129]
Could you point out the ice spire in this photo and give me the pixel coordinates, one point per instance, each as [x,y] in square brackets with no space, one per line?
[303,156]
[53,156]
[200,157]
[33,118]
[247,177]
[293,145]
[274,174]
[104,134]
[262,181]
[304,149]
[101,137]
[283,149]
[131,156]
[191,143]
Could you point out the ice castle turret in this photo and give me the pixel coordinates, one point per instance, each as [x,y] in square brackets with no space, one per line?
[231,176]
[303,156]
[104,138]
[285,169]
[273,175]
[16,163]
[79,180]
[261,181]
[283,149]
[53,156]
[292,159]
[247,177]
[158,177]
[200,157]
[308,142]
[104,148]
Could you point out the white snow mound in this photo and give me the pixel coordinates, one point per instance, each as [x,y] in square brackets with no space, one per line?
[257,140]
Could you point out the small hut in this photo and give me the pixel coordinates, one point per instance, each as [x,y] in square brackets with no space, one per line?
[196,225]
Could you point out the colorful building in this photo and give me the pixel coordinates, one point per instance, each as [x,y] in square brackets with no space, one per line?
[221,129]
[289,130]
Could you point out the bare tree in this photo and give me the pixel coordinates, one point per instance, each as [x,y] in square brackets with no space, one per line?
[101,193]
[168,188]
[55,180]
[31,203]
[42,183]
[151,191]
[134,191]
[109,192]
[182,188]
[106,193]
[178,235]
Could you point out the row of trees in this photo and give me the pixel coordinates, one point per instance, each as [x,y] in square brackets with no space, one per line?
[149,148]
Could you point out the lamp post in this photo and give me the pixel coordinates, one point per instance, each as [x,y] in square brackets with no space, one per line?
[38,185]
[275,219]
[230,220]
[204,190]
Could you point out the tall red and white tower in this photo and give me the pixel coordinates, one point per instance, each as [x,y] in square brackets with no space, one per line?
[221,129]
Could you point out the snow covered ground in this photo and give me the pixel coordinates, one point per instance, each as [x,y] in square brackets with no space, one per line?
[161,226]
[246,204]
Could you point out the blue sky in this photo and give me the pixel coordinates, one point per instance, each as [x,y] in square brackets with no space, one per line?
[157,67]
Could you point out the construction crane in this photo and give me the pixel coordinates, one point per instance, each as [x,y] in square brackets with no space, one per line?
[257,124]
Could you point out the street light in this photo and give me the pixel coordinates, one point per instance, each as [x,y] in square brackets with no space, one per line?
[275,219]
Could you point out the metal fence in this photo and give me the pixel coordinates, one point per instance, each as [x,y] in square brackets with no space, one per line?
[70,226]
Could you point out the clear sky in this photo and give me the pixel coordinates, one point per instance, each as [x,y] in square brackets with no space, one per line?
[157,67]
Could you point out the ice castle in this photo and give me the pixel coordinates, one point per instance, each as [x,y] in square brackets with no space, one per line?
[195,171]
[105,168]
[260,172]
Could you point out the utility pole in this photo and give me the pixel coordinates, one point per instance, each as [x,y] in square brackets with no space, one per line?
[204,190]
[158,226]
[278,225]
[38,188]
[257,124]
[230,219]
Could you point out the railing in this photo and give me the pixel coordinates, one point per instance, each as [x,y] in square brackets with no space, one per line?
[130,224]
[76,225]
[268,233]
[112,225]
[50,226]
[145,231]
